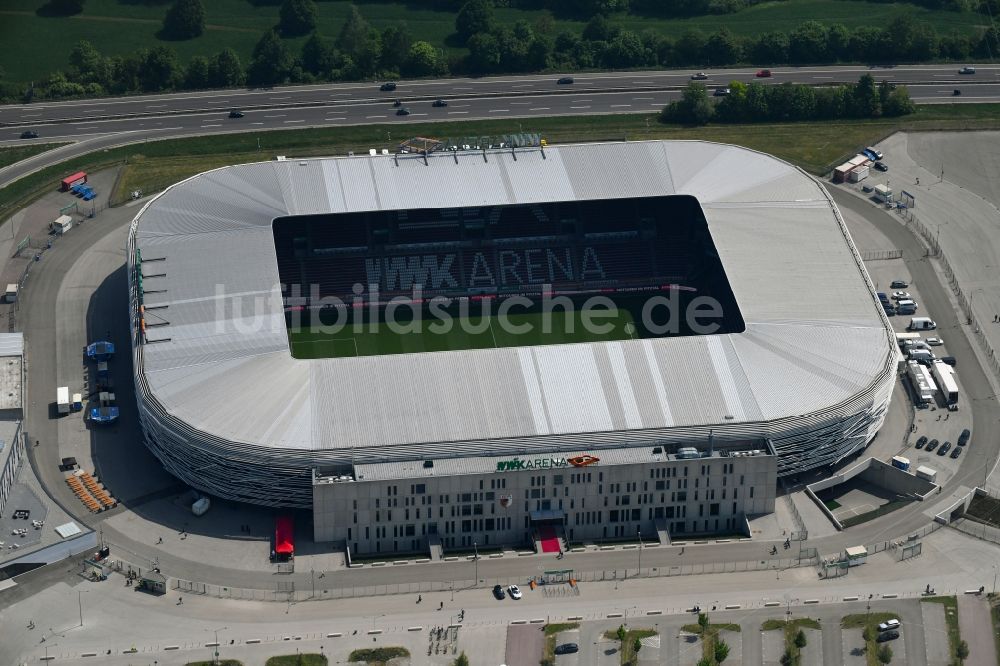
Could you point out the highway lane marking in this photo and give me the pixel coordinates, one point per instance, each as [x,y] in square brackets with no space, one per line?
[638,98]
[619,106]
[418,114]
[87,128]
[172,128]
[256,123]
[577,101]
[336,118]
[294,121]
[155,106]
[376,116]
[656,103]
[520,103]
[204,126]
[499,111]
[454,112]
[286,97]
[460,106]
[539,108]
[580,107]
[463,88]
[30,115]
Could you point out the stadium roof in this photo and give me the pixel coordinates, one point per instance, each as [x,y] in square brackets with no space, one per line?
[815,334]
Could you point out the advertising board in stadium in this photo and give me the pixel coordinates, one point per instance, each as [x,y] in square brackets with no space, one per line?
[519,464]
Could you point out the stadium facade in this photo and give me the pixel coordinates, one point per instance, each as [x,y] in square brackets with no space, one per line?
[805,381]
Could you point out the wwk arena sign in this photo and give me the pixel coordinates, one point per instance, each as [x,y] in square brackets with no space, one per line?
[519,464]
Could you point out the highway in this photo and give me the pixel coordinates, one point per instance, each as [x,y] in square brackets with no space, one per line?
[95,124]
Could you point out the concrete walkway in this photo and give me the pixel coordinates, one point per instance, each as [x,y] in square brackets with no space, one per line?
[977,630]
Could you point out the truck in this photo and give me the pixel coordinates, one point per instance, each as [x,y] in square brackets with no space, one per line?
[944,376]
[106,411]
[923,384]
[201,506]
[882,194]
[901,338]
[921,324]
[899,462]
[858,174]
[77,402]
[100,350]
[10,296]
[62,224]
[927,473]
[62,400]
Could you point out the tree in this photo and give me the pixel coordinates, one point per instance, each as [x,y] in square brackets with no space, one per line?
[354,33]
[396,42]
[770,48]
[600,29]
[865,100]
[721,650]
[227,70]
[702,617]
[271,62]
[808,43]
[319,56]
[962,650]
[838,42]
[786,658]
[184,20]
[461,660]
[704,661]
[868,634]
[689,48]
[88,65]
[484,53]
[160,70]
[475,17]
[621,633]
[636,646]
[724,47]
[627,50]
[423,60]
[297,17]
[198,73]
[800,639]
[884,654]
[61,8]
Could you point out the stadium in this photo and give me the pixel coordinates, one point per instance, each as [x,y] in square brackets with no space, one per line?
[256,292]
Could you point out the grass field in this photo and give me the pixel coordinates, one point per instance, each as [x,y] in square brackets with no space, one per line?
[11,154]
[465,333]
[35,46]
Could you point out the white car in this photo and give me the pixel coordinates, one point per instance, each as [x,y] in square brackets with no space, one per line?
[889,625]
[900,295]
[514,591]
[935,342]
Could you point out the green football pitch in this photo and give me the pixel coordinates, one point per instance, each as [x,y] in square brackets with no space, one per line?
[488,332]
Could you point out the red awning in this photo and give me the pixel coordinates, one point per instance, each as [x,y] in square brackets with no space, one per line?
[77,177]
[284,530]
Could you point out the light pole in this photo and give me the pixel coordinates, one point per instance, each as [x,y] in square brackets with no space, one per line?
[79,600]
[994,580]
[475,545]
[215,658]
[638,531]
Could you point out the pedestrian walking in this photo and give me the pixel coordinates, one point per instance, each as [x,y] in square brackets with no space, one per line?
[180,600]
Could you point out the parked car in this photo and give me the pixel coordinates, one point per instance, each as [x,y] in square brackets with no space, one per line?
[963,439]
[388,85]
[948,360]
[438,103]
[881,166]
[514,591]
[887,636]
[235,114]
[889,624]
[763,74]
[931,445]
[874,151]
[935,342]
[967,70]
[567,648]
[700,76]
[498,592]
[890,310]
[900,295]
[956,453]
[899,284]
[920,442]
[721,92]
[565,80]
[29,134]
[945,448]
[402,111]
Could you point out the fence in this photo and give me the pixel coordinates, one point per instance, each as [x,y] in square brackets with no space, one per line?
[977,529]
[880,255]
[289,592]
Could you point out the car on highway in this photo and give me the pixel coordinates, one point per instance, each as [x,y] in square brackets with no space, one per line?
[881,166]
[438,103]
[498,592]
[956,92]
[920,442]
[887,636]
[721,92]
[29,134]
[700,76]
[956,453]
[402,111]
[931,445]
[763,74]
[899,284]
[514,591]
[967,70]
[889,624]
[963,439]
[900,295]
[934,342]
[235,114]
[388,85]
[945,448]
[565,80]
[396,103]
[567,648]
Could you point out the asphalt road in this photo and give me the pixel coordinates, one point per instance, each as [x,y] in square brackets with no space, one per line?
[103,123]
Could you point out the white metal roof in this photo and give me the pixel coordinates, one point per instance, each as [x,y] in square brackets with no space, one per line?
[815,334]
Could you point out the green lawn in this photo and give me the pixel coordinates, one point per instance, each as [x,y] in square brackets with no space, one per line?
[626,653]
[886,508]
[491,332]
[11,154]
[35,46]
[298,660]
[378,656]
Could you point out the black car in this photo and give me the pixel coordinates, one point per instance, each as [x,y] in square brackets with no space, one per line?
[721,92]
[944,448]
[963,439]
[921,442]
[956,92]
[899,284]
[438,103]
[890,310]
[402,111]
[948,360]
[956,453]
[235,114]
[887,636]
[498,592]
[389,85]
[397,103]
[881,166]
[566,80]
[931,445]
[567,648]
[29,134]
